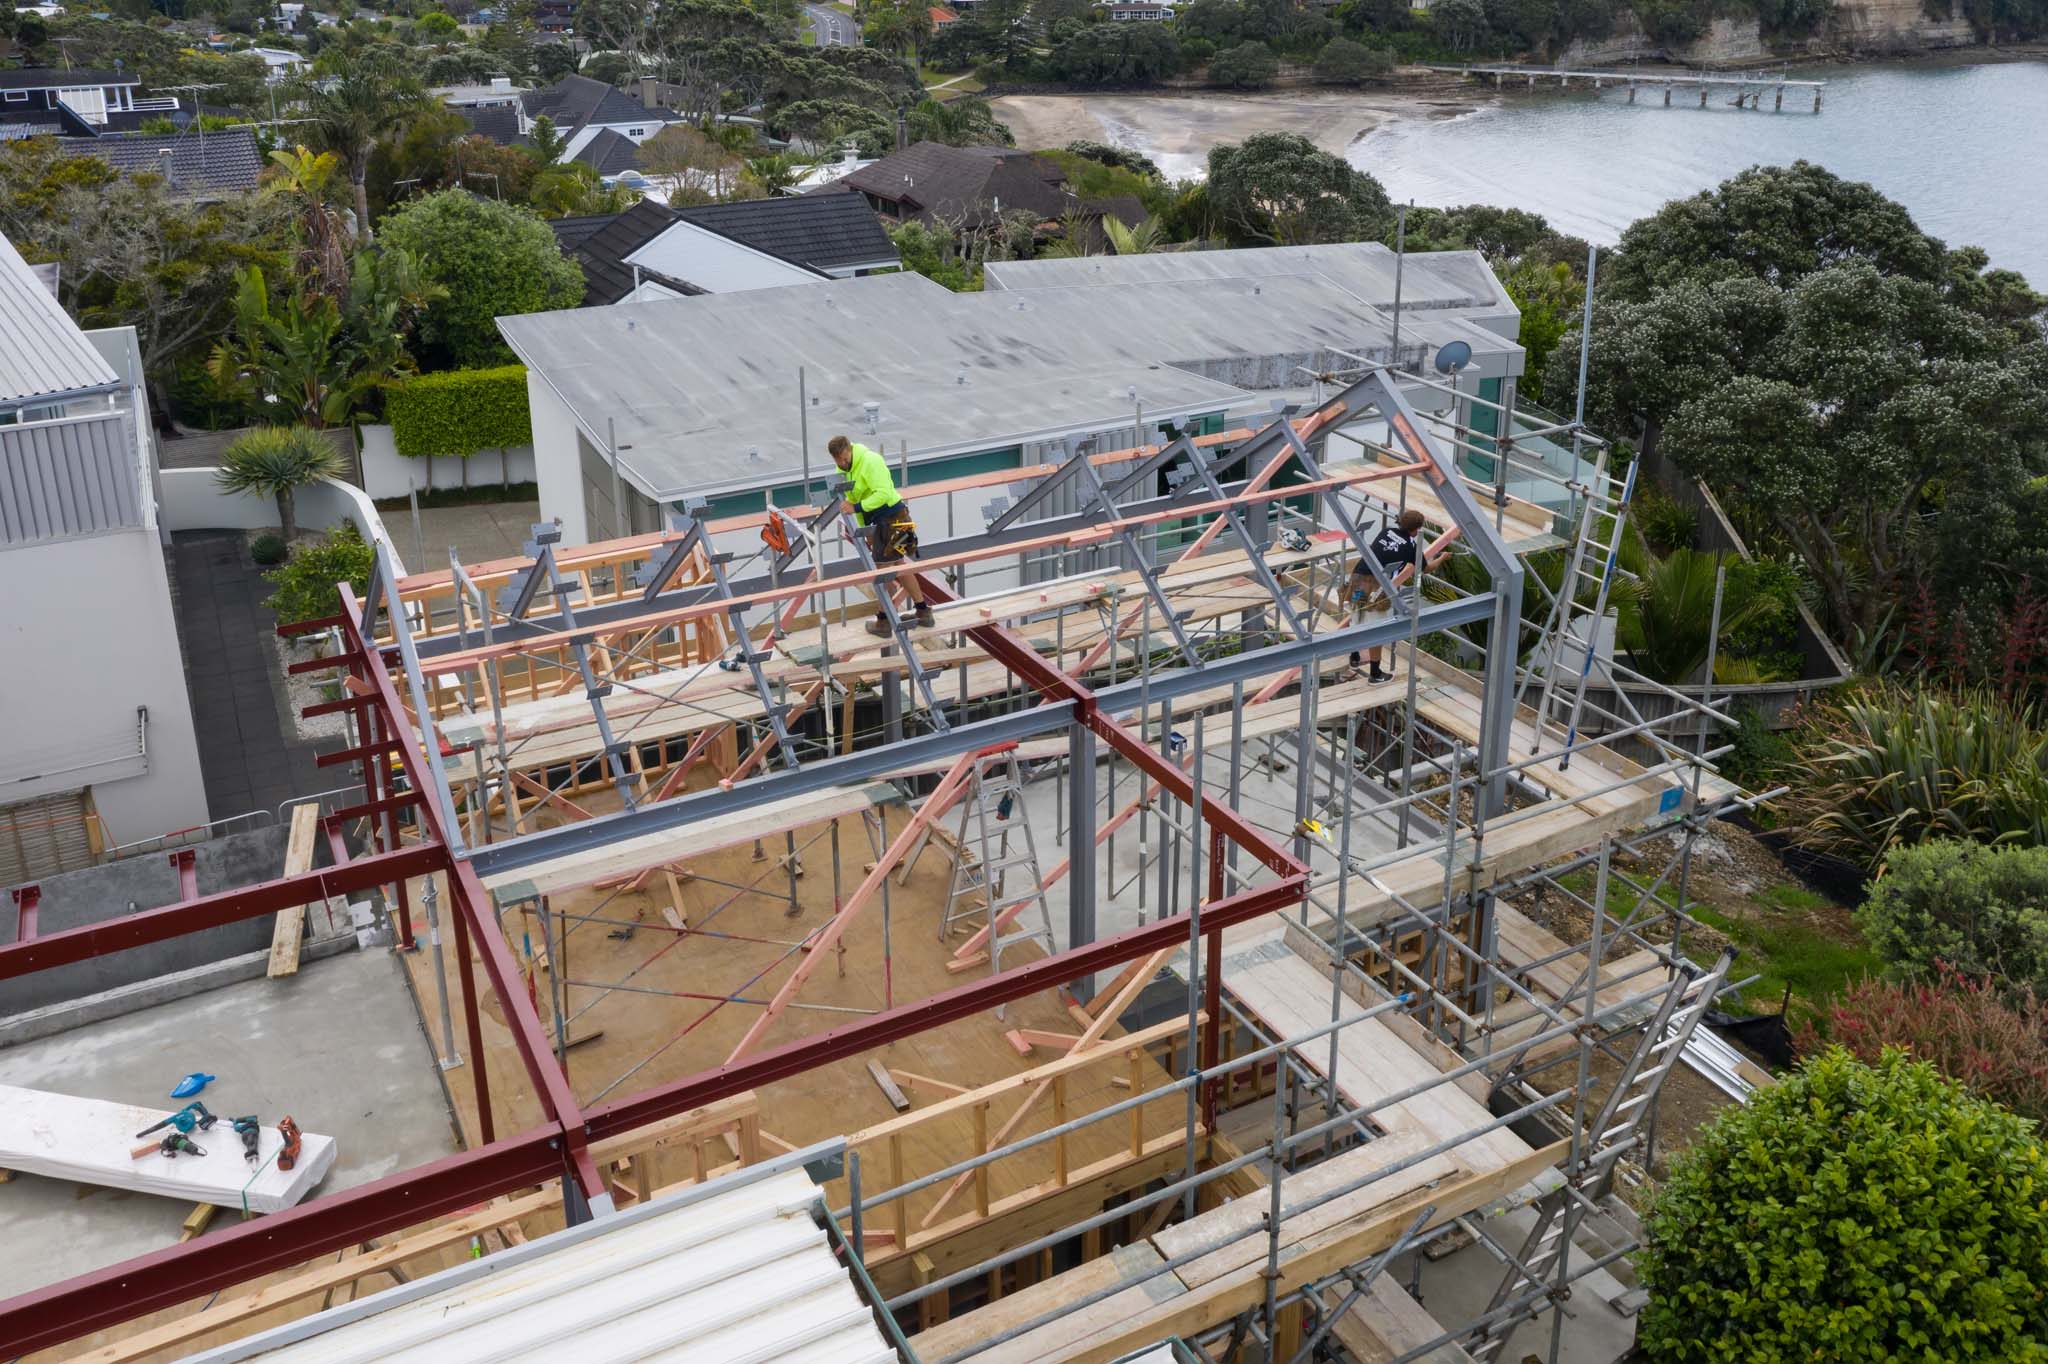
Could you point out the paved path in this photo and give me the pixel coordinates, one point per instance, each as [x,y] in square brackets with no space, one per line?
[248,758]
[480,533]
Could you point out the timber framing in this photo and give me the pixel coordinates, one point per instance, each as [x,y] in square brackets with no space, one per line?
[1160,636]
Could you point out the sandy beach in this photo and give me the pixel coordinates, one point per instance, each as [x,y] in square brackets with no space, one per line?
[1177,130]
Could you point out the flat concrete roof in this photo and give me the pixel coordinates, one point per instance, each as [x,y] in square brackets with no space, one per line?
[338,1046]
[703,392]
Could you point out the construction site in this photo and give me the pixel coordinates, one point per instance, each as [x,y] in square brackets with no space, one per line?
[1113,969]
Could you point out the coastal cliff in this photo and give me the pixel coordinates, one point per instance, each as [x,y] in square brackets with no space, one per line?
[1855,28]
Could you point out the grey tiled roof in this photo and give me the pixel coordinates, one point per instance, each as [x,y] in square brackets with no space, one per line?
[576,101]
[609,153]
[825,232]
[498,122]
[227,160]
[602,253]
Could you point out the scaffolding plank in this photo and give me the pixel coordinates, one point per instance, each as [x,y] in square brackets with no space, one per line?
[1385,1324]
[1291,997]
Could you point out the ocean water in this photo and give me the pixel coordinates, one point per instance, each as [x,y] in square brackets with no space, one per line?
[1964,148]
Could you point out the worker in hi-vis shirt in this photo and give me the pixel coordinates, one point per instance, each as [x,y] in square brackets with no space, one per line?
[875,504]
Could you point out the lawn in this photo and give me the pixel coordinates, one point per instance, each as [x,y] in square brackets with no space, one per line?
[1788,935]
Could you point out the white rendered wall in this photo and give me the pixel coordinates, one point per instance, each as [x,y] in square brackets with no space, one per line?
[716,264]
[556,462]
[89,630]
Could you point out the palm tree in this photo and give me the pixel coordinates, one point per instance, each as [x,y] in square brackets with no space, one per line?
[777,173]
[305,177]
[1133,241]
[352,112]
[279,460]
[1667,620]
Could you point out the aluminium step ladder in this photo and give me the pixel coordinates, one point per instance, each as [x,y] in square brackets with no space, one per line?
[997,881]
[1614,1133]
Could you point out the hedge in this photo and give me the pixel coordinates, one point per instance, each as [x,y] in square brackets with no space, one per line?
[459,411]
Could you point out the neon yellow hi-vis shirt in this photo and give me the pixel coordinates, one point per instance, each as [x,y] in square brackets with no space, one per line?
[873,489]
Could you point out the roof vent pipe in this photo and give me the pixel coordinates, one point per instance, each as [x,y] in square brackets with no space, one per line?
[873,413]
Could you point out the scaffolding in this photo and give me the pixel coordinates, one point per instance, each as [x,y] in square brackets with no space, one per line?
[1342,883]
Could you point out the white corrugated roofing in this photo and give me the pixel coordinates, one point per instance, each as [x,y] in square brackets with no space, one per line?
[43,354]
[734,1278]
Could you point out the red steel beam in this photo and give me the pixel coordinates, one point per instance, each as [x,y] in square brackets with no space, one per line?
[26,898]
[211,911]
[469,899]
[186,860]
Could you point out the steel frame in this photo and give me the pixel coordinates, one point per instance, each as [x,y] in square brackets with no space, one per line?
[558,1145]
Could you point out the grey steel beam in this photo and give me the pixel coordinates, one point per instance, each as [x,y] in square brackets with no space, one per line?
[401,630]
[919,750]
[1081,845]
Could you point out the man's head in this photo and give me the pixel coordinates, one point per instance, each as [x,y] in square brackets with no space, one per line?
[841,450]
[1410,522]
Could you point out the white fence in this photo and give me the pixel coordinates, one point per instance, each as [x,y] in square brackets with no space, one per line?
[193,500]
[386,473]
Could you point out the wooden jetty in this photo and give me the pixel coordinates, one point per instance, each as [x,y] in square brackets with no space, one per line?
[1749,89]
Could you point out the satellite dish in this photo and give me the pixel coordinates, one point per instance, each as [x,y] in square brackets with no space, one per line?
[1453,357]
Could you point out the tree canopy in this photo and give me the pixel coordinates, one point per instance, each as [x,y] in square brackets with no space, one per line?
[1857,394]
[493,258]
[1281,189]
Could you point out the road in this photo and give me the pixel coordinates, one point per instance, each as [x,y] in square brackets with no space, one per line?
[833,28]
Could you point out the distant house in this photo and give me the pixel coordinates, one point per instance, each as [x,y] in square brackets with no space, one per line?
[89,97]
[580,108]
[943,15]
[653,251]
[228,161]
[968,188]
[283,63]
[1144,13]
[497,93]
[555,17]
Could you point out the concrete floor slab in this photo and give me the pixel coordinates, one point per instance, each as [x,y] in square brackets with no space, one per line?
[482,532]
[337,1046]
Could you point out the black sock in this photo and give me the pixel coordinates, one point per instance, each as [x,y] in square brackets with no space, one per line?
[1354,660]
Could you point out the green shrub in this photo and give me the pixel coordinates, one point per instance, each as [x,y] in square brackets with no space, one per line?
[1757,755]
[1982,910]
[268,549]
[1345,62]
[1666,523]
[1888,768]
[1852,1213]
[459,412]
[305,584]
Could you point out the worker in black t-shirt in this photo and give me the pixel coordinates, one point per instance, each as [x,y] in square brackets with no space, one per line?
[1394,547]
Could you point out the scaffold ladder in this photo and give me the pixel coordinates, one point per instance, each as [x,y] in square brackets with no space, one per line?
[1615,1132]
[996,876]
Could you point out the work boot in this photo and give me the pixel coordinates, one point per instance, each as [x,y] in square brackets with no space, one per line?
[879,628]
[1375,675]
[924,617]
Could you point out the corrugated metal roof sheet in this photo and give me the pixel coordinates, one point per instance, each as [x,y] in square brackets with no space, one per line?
[75,476]
[744,1275]
[43,354]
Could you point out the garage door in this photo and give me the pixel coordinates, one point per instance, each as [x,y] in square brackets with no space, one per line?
[42,837]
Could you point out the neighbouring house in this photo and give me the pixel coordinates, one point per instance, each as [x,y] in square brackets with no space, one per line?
[581,109]
[1140,13]
[702,396]
[193,164]
[653,251]
[108,756]
[497,93]
[966,189]
[825,172]
[78,99]
[283,63]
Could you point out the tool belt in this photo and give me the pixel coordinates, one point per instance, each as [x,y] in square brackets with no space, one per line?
[894,534]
